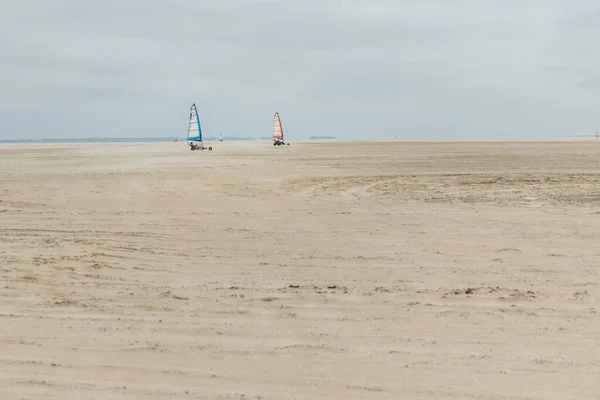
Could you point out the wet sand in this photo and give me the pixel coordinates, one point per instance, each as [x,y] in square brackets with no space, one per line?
[382,270]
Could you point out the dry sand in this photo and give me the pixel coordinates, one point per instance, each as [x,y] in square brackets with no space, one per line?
[311,271]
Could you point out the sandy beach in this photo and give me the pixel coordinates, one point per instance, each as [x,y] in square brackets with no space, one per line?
[381,270]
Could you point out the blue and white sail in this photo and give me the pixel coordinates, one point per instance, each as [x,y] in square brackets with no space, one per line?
[194,129]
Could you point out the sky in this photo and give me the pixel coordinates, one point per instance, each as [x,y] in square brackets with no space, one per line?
[354,69]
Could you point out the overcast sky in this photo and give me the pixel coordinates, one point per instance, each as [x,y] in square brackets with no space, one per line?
[355,69]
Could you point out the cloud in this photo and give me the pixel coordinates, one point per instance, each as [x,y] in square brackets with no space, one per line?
[354,69]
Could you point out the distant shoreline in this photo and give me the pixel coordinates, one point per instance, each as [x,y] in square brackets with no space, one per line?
[118,140]
[311,139]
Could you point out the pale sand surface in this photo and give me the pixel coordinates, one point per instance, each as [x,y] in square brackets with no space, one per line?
[312,271]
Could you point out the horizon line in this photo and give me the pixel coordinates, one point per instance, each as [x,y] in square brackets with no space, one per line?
[243,138]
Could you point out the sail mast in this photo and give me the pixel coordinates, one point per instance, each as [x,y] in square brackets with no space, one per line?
[277,127]
[194,128]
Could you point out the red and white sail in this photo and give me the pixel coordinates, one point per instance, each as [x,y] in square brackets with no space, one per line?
[277,128]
